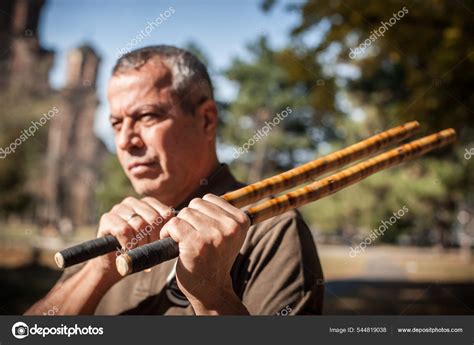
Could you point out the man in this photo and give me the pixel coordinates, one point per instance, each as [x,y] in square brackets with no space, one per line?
[165,120]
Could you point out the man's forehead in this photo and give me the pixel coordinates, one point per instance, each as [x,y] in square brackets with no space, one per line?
[130,86]
[153,72]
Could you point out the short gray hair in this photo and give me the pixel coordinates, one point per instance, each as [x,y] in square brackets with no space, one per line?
[190,80]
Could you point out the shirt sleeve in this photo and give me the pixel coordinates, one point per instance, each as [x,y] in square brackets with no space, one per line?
[284,274]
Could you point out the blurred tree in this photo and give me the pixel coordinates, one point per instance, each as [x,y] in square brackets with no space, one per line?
[114,187]
[19,180]
[420,68]
[274,111]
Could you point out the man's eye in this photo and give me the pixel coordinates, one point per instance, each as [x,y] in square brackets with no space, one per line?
[149,118]
[116,125]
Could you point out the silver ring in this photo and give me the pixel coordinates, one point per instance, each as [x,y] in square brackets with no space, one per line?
[131,216]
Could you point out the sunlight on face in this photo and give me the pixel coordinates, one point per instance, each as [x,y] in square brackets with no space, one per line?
[159,147]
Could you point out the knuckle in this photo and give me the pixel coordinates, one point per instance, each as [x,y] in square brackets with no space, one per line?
[173,222]
[196,202]
[201,245]
[232,225]
[128,199]
[218,239]
[115,208]
[104,223]
[185,212]
[243,218]
[104,218]
[208,196]
[170,212]
[247,220]
[146,199]
[116,231]
[232,232]
[152,202]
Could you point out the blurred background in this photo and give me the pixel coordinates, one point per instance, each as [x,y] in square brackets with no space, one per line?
[344,70]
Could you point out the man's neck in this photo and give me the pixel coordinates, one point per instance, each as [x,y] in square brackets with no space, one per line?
[200,181]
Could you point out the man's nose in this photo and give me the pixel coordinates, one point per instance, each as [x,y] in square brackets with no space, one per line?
[129,137]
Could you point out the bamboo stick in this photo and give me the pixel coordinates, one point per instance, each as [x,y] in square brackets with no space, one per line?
[160,251]
[249,194]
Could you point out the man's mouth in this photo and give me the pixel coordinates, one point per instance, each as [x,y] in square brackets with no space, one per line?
[140,168]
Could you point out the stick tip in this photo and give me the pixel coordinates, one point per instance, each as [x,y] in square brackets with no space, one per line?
[413,124]
[450,131]
[59,259]
[450,134]
[124,264]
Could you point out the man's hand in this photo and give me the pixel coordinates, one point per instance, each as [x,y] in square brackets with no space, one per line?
[210,233]
[134,223]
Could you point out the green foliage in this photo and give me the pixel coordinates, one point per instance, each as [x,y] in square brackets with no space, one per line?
[422,68]
[114,185]
[267,86]
[19,179]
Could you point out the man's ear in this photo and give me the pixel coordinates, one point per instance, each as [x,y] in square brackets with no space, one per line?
[208,115]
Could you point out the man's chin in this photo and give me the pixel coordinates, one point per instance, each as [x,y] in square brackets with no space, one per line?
[147,185]
[152,189]
[146,190]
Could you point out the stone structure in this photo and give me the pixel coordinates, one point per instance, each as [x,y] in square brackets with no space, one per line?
[24,64]
[73,154]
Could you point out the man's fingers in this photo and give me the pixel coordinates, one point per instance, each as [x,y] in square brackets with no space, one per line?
[210,209]
[165,211]
[231,222]
[148,213]
[234,212]
[134,215]
[118,228]
[146,216]
[182,232]
[202,223]
[148,220]
[132,218]
[123,211]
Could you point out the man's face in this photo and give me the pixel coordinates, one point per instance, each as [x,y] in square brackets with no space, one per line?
[160,148]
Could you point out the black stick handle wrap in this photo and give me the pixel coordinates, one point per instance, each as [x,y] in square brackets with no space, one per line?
[87,250]
[147,256]
[151,254]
